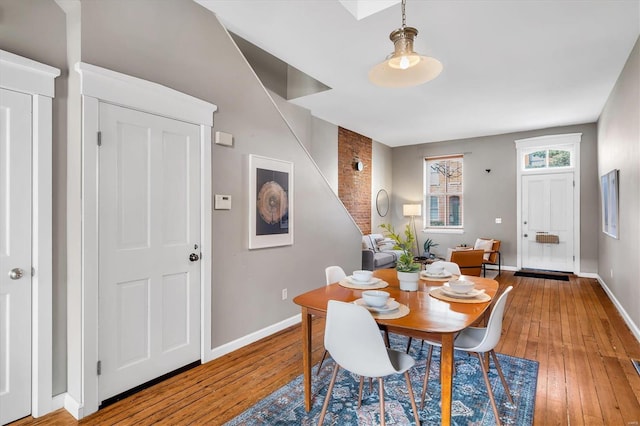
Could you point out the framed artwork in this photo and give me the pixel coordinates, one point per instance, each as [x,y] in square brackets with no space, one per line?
[270,202]
[609,190]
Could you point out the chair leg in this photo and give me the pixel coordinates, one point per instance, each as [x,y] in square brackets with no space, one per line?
[386,338]
[426,376]
[409,343]
[381,391]
[360,391]
[326,398]
[412,399]
[504,382]
[489,391]
[324,356]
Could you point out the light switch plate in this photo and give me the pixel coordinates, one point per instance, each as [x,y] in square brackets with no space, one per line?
[222,202]
[498,220]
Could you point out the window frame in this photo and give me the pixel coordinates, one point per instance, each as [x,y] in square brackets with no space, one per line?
[428,174]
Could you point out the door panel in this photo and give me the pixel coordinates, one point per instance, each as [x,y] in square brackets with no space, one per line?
[547,209]
[149,223]
[15,252]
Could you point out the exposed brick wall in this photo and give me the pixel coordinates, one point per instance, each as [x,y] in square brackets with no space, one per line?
[354,187]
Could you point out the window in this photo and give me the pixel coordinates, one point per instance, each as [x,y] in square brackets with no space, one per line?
[443,192]
[558,157]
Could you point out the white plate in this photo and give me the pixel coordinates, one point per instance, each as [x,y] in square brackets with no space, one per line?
[391,305]
[444,274]
[372,281]
[448,292]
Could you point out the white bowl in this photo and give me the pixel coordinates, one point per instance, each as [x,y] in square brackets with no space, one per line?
[364,276]
[461,286]
[375,298]
[435,269]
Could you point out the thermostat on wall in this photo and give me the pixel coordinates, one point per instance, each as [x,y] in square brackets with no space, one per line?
[222,202]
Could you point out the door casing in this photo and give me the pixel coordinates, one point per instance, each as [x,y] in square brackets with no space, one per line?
[546,142]
[103,85]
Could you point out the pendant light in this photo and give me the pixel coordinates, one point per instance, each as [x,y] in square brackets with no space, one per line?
[404,67]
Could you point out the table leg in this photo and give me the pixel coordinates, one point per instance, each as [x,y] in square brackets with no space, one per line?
[306,356]
[446,377]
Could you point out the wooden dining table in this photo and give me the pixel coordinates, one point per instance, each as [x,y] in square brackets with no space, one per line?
[428,317]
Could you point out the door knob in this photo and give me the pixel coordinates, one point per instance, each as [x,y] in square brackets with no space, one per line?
[16,273]
[526,235]
[193,257]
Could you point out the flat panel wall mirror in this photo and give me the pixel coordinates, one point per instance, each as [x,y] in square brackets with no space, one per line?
[382,202]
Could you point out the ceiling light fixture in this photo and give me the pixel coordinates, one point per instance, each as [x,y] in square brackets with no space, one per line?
[404,67]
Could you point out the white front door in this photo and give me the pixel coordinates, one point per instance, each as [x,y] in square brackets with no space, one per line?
[15,255]
[149,225]
[547,212]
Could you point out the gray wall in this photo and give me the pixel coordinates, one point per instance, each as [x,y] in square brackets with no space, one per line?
[36,30]
[619,148]
[324,150]
[491,195]
[381,178]
[180,45]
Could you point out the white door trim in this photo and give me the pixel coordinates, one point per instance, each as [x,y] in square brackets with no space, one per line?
[102,85]
[573,139]
[38,80]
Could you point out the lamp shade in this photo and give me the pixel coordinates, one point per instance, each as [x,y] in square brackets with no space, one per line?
[412,209]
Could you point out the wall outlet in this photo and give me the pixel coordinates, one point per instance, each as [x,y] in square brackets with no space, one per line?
[284,294]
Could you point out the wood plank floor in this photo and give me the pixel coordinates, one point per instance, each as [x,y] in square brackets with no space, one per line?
[571,328]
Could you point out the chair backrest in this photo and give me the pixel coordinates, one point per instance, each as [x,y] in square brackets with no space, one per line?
[450,267]
[353,339]
[493,330]
[334,274]
[469,261]
[495,248]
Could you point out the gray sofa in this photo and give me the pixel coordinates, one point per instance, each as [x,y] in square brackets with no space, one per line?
[378,253]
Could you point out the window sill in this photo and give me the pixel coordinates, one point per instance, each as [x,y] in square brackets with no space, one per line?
[443,231]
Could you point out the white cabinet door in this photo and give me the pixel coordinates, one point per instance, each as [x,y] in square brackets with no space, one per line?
[149,225]
[15,255]
[547,207]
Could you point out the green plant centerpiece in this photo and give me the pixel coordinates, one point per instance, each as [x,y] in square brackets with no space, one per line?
[408,270]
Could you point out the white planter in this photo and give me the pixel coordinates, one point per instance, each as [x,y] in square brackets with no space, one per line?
[409,280]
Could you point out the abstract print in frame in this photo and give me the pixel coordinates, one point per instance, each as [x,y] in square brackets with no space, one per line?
[270,202]
[609,187]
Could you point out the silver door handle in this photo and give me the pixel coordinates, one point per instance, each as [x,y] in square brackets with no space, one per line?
[16,273]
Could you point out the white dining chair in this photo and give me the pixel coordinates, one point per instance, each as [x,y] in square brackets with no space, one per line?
[352,338]
[477,341]
[332,274]
[450,267]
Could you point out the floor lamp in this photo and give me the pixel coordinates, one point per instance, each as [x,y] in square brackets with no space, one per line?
[413,210]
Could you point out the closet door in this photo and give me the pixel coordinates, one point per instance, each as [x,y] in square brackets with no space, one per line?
[15,255]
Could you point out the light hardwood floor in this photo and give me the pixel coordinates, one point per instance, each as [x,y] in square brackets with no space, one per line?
[571,328]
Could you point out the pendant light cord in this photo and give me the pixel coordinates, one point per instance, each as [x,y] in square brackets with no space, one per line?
[404,16]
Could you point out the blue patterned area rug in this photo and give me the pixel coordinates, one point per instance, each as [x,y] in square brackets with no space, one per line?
[471,405]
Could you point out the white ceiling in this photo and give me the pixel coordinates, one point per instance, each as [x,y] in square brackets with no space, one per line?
[508,65]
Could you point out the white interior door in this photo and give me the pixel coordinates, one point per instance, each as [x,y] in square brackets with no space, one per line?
[15,255]
[547,210]
[149,225]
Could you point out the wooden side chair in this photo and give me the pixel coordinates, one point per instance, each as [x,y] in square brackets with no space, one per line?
[469,261]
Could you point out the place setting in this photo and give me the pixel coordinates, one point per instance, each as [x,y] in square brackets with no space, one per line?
[381,305]
[435,272]
[363,280]
[460,291]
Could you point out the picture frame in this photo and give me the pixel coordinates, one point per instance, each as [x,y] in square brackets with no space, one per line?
[270,202]
[609,188]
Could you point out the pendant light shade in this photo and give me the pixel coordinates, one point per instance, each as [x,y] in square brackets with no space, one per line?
[404,67]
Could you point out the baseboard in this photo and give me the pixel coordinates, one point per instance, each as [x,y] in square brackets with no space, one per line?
[57,402]
[250,338]
[627,319]
[74,407]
